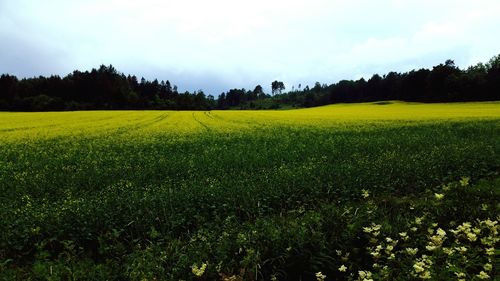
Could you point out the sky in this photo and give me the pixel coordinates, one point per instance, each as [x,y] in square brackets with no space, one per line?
[217,45]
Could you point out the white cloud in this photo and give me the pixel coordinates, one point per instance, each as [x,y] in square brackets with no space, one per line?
[222,43]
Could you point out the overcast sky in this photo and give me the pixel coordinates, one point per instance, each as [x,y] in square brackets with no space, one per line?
[221,44]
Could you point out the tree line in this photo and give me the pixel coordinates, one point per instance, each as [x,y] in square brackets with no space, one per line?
[106,88]
[443,83]
[102,88]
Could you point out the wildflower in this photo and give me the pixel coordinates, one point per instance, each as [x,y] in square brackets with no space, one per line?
[367,229]
[425,275]
[487,241]
[488,267]
[342,268]
[489,223]
[375,254]
[439,196]
[414,229]
[199,271]
[389,248]
[419,267]
[472,237]
[448,251]
[460,274]
[418,220]
[484,207]
[490,251]
[373,229]
[483,275]
[431,247]
[365,193]
[403,235]
[412,251]
[320,276]
[440,232]
[365,275]
[464,181]
[345,257]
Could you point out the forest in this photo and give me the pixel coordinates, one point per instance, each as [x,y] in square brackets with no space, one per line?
[105,88]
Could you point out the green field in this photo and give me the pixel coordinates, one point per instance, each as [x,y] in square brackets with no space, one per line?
[398,191]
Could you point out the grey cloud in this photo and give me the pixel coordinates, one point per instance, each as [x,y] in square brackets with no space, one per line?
[222,44]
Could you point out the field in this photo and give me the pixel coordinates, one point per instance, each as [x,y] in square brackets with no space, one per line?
[375,191]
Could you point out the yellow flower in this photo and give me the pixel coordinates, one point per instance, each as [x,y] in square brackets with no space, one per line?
[439,196]
[342,268]
[488,267]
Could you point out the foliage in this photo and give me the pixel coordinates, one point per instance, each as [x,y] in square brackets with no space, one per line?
[106,88]
[252,195]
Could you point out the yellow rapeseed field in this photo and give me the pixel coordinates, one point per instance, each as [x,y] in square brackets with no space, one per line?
[14,126]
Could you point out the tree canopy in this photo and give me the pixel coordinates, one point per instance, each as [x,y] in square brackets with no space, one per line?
[107,88]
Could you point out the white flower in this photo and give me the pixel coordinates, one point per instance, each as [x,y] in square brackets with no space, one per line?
[483,275]
[320,276]
[439,196]
[198,271]
[365,193]
[488,267]
[412,251]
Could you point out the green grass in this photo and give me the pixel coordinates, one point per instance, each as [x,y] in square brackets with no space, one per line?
[145,195]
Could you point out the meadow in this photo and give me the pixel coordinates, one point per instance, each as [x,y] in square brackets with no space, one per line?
[373,191]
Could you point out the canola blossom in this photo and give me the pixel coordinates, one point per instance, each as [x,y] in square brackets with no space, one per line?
[372,191]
